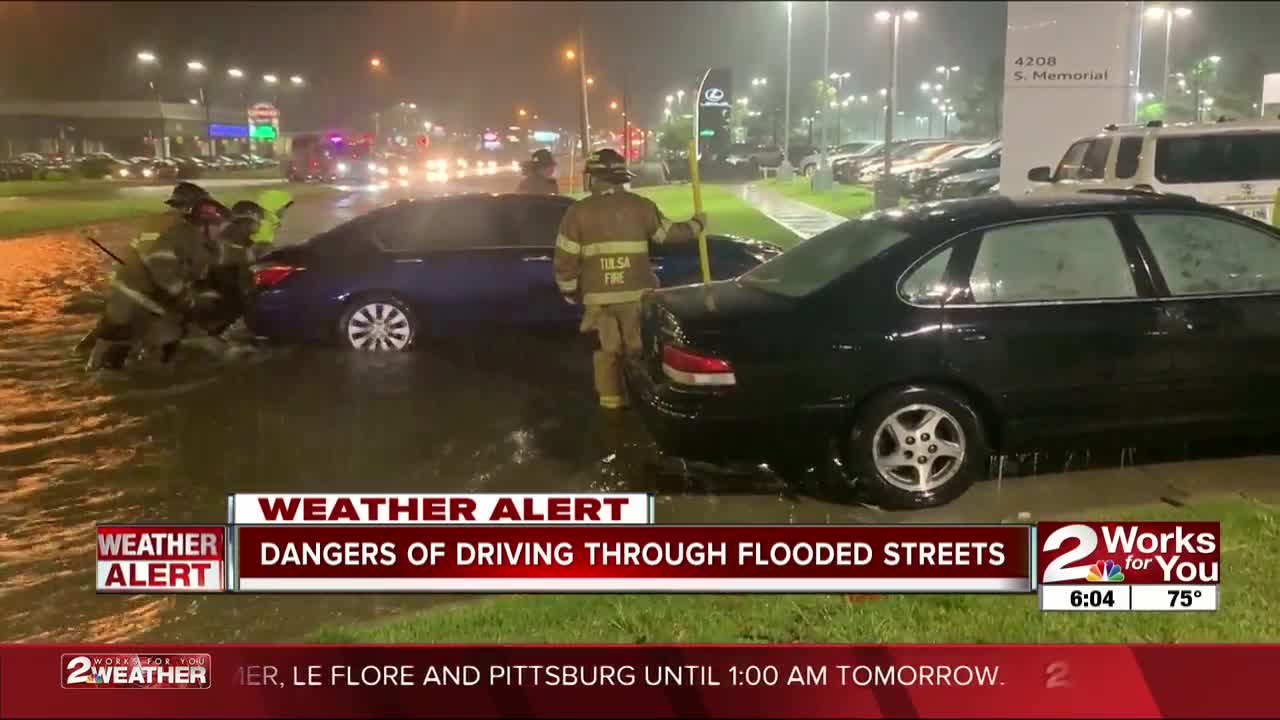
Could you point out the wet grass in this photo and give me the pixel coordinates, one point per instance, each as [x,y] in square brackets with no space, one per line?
[846,200]
[39,213]
[727,213]
[1251,541]
[27,188]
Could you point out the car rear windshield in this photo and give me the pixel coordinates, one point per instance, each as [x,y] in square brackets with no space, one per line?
[1221,157]
[820,260]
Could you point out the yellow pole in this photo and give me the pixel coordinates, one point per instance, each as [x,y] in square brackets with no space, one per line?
[696,182]
[1275,210]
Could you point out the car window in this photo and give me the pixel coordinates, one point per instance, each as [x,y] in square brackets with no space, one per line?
[1200,255]
[820,260]
[535,224]
[1222,157]
[1072,259]
[1127,157]
[462,223]
[1072,161]
[925,285]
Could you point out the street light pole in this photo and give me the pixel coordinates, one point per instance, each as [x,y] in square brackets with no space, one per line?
[784,168]
[886,194]
[946,89]
[584,119]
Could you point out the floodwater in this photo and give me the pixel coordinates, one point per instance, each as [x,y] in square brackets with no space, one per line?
[78,449]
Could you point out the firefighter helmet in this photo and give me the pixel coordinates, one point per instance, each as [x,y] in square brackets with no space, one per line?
[248,210]
[542,158]
[185,195]
[608,165]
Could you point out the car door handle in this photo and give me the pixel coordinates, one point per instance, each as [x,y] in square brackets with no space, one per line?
[408,260]
[537,258]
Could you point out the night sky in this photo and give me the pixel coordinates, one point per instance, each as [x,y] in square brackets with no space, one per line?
[475,63]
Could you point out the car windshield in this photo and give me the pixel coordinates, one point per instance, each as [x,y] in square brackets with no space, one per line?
[820,260]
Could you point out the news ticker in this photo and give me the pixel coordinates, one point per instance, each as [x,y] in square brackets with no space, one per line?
[787,680]
[557,543]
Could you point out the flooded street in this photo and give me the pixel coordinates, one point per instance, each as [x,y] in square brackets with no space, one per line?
[507,414]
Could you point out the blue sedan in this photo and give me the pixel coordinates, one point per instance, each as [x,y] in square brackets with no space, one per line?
[441,267]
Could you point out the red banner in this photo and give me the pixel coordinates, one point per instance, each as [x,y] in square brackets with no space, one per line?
[667,558]
[662,681]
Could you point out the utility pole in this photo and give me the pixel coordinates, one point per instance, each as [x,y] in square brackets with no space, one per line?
[626,120]
[583,117]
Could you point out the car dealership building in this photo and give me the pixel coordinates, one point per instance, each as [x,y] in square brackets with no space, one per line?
[129,128]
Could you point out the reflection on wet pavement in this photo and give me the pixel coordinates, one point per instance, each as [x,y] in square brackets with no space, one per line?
[502,414]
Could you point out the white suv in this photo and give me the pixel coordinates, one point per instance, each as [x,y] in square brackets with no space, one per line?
[1235,164]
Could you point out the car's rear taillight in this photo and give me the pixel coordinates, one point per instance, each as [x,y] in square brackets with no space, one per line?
[271,275]
[689,367]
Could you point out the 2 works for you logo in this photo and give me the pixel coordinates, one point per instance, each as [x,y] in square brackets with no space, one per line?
[140,671]
[1141,553]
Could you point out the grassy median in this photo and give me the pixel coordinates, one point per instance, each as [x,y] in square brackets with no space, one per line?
[846,200]
[35,213]
[727,212]
[1251,542]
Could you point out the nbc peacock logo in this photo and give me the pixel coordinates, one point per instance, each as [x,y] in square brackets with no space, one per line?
[1105,571]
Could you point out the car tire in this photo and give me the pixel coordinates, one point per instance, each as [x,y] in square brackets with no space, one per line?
[378,323]
[916,447]
[810,170]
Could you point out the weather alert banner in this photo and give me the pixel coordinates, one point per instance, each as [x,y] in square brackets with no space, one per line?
[403,681]
[1145,566]
[630,558]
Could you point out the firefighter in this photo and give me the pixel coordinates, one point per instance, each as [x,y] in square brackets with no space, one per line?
[602,262]
[274,203]
[540,175]
[225,290]
[153,293]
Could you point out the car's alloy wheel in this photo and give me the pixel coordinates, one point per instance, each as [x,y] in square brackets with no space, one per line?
[810,170]
[919,448]
[378,325]
[916,447]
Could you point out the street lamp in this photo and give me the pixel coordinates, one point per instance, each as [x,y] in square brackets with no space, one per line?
[669,99]
[196,66]
[521,112]
[375,62]
[895,18]
[146,57]
[236,73]
[1167,14]
[613,105]
[945,71]
[270,79]
[570,54]
[296,80]
[784,168]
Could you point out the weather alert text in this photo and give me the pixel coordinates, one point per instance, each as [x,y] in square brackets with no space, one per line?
[1107,566]
[161,559]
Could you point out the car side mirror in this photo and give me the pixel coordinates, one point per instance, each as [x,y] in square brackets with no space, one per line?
[1040,174]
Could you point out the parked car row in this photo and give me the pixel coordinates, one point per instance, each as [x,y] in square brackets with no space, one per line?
[34,166]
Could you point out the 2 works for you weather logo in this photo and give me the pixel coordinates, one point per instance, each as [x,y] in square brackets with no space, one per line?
[140,671]
[1105,571]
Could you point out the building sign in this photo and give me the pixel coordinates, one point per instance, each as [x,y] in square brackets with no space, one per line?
[715,110]
[263,132]
[228,131]
[1071,68]
[1271,88]
[263,113]
[545,136]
